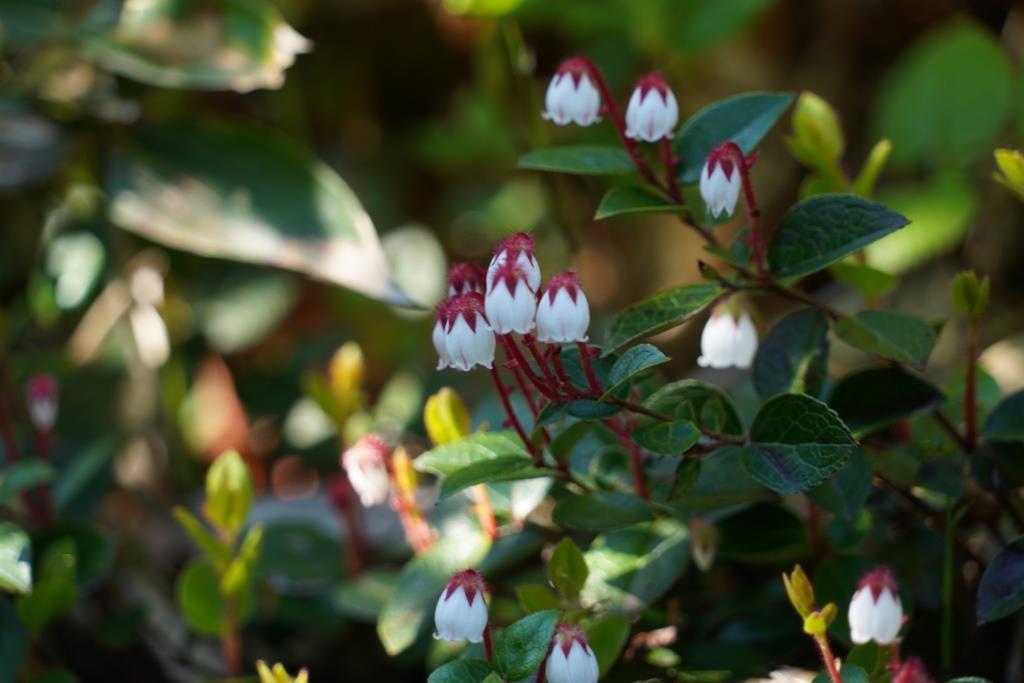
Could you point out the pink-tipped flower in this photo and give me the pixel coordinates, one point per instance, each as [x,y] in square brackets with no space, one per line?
[42,393]
[461,613]
[729,339]
[912,671]
[466,277]
[510,303]
[572,96]
[571,660]
[366,464]
[652,113]
[720,180]
[563,314]
[469,338]
[519,249]
[442,318]
[875,610]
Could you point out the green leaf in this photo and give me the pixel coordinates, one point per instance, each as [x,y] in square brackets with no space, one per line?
[446,460]
[1001,591]
[667,438]
[600,511]
[631,568]
[239,576]
[567,569]
[700,403]
[215,549]
[821,230]
[694,25]
[582,159]
[662,311]
[229,492]
[607,635]
[15,559]
[870,282]
[848,673]
[793,358]
[13,643]
[536,598]
[844,493]
[461,671]
[94,553]
[22,476]
[505,468]
[1006,423]
[88,465]
[199,598]
[252,196]
[744,119]
[687,474]
[929,104]
[54,592]
[796,442]
[864,408]
[420,583]
[891,335]
[629,199]
[631,363]
[521,647]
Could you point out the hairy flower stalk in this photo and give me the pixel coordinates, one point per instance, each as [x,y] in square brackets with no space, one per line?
[727,158]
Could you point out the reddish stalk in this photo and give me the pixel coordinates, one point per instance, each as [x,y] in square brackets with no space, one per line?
[484,511]
[595,386]
[538,358]
[516,356]
[527,394]
[565,384]
[753,211]
[669,160]
[636,458]
[14,455]
[44,443]
[971,388]
[488,646]
[231,643]
[512,419]
[828,658]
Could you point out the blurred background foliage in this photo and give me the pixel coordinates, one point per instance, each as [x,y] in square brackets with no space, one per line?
[201,200]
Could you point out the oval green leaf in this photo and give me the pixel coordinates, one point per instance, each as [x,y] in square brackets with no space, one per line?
[793,358]
[1006,423]
[660,312]
[896,336]
[521,647]
[629,199]
[1001,591]
[600,511]
[582,160]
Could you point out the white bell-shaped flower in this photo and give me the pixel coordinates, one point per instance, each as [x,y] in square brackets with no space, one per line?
[366,465]
[875,610]
[572,96]
[720,182]
[652,112]
[511,303]
[729,340]
[518,248]
[571,659]
[461,613]
[469,338]
[563,314]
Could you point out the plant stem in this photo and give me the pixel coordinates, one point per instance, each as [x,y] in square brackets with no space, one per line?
[946,638]
[484,511]
[538,357]
[753,210]
[516,356]
[232,642]
[14,455]
[636,458]
[828,658]
[588,368]
[971,388]
[669,159]
[525,390]
[512,419]
[488,645]
[951,429]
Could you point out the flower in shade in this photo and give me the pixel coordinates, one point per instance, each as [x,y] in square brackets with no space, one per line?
[652,113]
[518,248]
[442,317]
[366,464]
[875,610]
[572,96]
[466,277]
[42,394]
[729,339]
[469,339]
[720,181]
[563,314]
[571,660]
[510,303]
[912,671]
[461,613]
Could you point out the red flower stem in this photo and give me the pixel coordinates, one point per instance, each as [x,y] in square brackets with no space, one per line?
[971,388]
[527,393]
[44,444]
[356,546]
[595,386]
[636,458]
[417,531]
[530,343]
[517,357]
[828,658]
[512,419]
[565,384]
[488,646]
[484,511]
[14,455]
[669,159]
[753,211]
[894,656]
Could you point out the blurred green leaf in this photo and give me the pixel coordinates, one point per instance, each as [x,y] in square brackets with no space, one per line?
[870,282]
[94,551]
[582,159]
[1006,423]
[535,598]
[687,474]
[25,23]
[521,647]
[15,559]
[13,643]
[630,199]
[567,568]
[244,307]
[664,310]
[445,460]
[667,438]
[607,635]
[215,549]
[695,24]
[88,465]
[364,598]
[298,557]
[817,138]
[793,357]
[600,511]
[229,492]
[22,476]
[238,576]
[857,399]
[54,591]
[888,334]
[762,534]
[631,363]
[446,418]
[844,493]
[461,671]
[199,598]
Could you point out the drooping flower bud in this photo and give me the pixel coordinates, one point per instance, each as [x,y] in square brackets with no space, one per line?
[912,671]
[511,303]
[652,113]
[571,660]
[729,339]
[42,394]
[875,610]
[366,464]
[442,318]
[461,613]
[518,248]
[572,96]
[469,338]
[720,181]
[466,277]
[563,314]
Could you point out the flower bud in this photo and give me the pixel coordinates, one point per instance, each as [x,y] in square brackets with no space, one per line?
[970,294]
[1011,170]
[42,398]
[720,181]
[729,339]
[572,96]
[442,318]
[461,613]
[366,465]
[800,591]
[652,113]
[875,610]
[912,671]
[469,338]
[518,248]
[703,542]
[511,303]
[466,277]
[563,314]
[571,660]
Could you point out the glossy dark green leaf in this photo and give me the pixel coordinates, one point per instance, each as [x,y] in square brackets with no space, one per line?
[54,591]
[521,647]
[582,159]
[667,438]
[744,119]
[845,492]
[1006,423]
[607,635]
[573,365]
[631,363]
[793,357]
[796,442]
[874,398]
[567,569]
[536,598]
[94,550]
[891,335]
[824,229]
[687,474]
[505,468]
[450,458]
[701,403]
[600,511]
[461,671]
[1001,591]
[588,409]
[629,199]
[15,559]
[662,311]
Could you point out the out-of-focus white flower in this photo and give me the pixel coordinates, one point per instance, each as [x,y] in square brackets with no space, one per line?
[571,660]
[461,613]
[42,397]
[366,465]
[572,96]
[442,318]
[150,332]
[875,610]
[511,303]
[469,338]
[518,248]
[729,339]
[720,181]
[652,113]
[466,277]
[563,314]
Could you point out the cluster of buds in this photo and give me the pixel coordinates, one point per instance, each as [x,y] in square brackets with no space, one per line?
[729,338]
